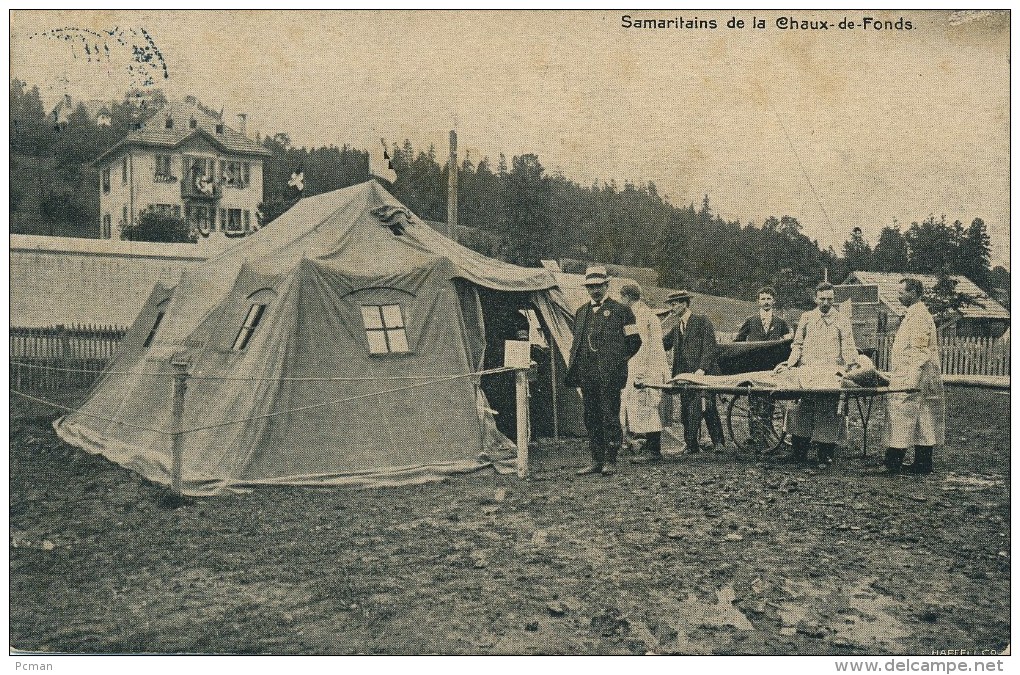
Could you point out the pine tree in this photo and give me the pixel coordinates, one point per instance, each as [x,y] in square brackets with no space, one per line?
[975,254]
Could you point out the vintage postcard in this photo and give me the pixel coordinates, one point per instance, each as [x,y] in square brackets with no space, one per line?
[614,332]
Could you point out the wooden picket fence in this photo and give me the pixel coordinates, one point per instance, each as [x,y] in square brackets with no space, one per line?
[61,358]
[960,355]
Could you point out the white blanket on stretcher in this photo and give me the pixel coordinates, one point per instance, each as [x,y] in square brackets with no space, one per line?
[807,378]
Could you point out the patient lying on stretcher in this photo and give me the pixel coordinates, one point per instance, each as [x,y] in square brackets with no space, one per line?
[793,379]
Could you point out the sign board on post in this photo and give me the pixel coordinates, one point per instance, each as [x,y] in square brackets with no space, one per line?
[517,354]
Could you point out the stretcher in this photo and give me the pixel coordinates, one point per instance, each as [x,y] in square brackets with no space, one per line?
[757,404]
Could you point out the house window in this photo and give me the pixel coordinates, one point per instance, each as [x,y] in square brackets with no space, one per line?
[246,173]
[234,174]
[123,170]
[201,217]
[106,180]
[200,166]
[193,124]
[233,223]
[251,322]
[384,327]
[164,172]
[107,226]
[155,327]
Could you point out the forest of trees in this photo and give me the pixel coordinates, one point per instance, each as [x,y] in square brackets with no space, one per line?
[518,211]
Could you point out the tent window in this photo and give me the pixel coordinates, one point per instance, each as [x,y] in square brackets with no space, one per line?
[384,327]
[251,321]
[155,327]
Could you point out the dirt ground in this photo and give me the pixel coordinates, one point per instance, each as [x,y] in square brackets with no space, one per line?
[710,554]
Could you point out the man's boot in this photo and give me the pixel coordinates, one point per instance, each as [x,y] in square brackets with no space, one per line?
[653,444]
[801,446]
[826,453]
[893,463]
[922,460]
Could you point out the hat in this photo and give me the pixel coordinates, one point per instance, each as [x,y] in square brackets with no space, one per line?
[631,291]
[595,275]
[678,296]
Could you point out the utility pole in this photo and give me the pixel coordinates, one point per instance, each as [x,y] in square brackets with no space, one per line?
[451,197]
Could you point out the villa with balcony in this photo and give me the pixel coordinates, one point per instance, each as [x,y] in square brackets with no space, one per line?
[187,163]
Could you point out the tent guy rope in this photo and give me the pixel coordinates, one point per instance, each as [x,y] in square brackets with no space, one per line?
[339,401]
[397,378]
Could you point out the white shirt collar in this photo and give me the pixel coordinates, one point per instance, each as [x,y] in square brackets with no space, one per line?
[765,314]
[685,316]
[827,318]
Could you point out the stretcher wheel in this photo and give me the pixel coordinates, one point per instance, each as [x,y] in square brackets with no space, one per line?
[746,415]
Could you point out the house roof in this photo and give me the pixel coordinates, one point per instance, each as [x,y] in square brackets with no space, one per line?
[888,293]
[154,131]
[93,107]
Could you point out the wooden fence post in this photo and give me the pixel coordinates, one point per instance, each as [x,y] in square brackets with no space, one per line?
[177,413]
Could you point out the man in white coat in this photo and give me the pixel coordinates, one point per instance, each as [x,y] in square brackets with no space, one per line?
[823,342]
[639,412]
[914,418]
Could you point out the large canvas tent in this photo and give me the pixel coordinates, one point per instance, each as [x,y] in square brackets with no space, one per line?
[335,346]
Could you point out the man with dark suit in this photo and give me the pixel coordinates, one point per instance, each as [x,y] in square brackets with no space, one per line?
[761,328]
[605,338]
[766,325]
[692,339]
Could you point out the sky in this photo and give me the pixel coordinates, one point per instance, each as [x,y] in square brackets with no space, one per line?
[840,128]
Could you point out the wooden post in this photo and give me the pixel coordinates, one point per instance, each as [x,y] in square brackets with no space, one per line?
[451,197]
[64,357]
[523,422]
[177,412]
[555,392]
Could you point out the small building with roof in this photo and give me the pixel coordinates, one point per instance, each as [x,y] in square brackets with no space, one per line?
[184,162]
[987,318]
[98,111]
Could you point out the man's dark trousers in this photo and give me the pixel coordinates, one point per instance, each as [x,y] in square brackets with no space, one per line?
[602,419]
[690,402]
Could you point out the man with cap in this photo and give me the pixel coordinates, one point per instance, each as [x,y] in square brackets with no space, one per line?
[692,339]
[823,341]
[605,338]
[639,410]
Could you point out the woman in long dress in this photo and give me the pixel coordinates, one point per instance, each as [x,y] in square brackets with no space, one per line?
[640,408]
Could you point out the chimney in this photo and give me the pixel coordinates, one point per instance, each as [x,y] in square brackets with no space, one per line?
[242,122]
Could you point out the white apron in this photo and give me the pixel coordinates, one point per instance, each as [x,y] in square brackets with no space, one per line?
[918,418]
[639,408]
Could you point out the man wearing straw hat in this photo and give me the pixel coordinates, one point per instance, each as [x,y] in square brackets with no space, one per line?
[605,338]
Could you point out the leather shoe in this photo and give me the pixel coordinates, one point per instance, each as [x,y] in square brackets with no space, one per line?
[594,468]
[608,470]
